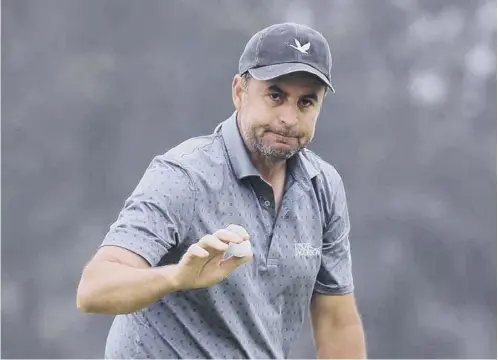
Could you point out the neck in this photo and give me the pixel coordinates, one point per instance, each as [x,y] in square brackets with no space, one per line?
[270,171]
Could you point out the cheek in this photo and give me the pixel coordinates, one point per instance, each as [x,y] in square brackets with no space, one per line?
[308,132]
[250,124]
[311,135]
[311,130]
[309,126]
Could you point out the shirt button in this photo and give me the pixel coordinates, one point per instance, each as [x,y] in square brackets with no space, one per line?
[267,203]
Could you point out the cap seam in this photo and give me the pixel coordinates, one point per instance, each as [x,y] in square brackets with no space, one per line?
[258,46]
[299,55]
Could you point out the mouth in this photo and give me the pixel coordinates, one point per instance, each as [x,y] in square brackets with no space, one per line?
[282,134]
[280,138]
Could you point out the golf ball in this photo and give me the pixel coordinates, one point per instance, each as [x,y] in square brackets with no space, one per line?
[241,249]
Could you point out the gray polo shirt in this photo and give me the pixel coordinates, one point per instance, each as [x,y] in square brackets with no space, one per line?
[205,184]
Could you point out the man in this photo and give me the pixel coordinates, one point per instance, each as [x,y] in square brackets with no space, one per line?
[163,268]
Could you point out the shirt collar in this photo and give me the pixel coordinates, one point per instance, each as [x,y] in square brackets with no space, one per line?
[239,157]
[237,152]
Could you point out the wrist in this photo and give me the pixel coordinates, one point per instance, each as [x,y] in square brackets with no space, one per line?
[169,278]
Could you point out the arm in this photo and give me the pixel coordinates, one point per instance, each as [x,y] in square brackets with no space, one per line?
[122,277]
[337,328]
[118,281]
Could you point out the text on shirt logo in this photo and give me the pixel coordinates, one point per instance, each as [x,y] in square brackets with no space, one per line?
[306,250]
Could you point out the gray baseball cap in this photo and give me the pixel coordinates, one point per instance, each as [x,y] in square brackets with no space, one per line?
[286,48]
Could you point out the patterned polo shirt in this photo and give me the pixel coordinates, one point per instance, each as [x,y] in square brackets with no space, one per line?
[207,183]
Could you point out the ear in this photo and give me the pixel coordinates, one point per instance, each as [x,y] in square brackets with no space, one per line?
[237,91]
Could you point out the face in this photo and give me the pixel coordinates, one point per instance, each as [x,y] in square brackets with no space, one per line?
[277,118]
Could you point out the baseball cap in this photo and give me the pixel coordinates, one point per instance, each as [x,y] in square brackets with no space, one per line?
[286,48]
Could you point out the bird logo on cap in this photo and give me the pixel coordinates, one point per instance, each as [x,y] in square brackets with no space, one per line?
[301,48]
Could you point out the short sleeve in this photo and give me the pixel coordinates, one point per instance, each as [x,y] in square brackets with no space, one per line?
[335,275]
[158,213]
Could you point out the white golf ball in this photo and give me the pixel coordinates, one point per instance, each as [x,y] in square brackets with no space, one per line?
[241,249]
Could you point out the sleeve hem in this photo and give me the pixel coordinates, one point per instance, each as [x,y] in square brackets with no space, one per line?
[323,290]
[151,253]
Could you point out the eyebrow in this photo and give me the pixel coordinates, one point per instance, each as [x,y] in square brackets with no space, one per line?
[277,89]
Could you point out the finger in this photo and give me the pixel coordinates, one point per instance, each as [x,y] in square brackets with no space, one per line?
[211,242]
[228,236]
[231,263]
[195,251]
[239,230]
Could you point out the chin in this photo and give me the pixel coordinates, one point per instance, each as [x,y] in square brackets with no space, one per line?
[276,154]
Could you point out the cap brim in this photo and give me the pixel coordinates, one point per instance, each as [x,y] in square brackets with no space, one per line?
[271,72]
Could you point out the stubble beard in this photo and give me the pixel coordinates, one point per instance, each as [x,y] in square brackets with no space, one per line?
[268,153]
[272,155]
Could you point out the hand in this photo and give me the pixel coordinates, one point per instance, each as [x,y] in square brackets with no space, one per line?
[203,264]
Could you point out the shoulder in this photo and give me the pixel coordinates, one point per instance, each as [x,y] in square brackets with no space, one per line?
[193,153]
[328,186]
[328,177]
[195,160]
[172,177]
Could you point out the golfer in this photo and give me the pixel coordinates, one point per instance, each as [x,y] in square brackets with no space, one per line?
[229,239]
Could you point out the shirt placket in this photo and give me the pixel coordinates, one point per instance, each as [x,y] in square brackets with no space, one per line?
[266,198]
[264,195]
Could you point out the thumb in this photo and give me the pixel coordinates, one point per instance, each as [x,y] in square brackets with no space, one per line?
[231,263]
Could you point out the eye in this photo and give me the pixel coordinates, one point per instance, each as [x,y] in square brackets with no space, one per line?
[275,96]
[305,102]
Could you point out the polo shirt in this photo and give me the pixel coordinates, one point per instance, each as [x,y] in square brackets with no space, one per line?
[207,183]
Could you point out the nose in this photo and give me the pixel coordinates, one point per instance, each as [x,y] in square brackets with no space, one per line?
[289,114]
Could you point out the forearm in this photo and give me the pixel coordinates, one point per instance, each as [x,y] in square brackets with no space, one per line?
[114,288]
[344,342]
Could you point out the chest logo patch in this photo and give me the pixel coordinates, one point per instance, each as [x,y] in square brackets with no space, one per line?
[306,250]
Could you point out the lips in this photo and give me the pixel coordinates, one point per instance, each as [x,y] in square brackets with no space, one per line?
[282,134]
[282,139]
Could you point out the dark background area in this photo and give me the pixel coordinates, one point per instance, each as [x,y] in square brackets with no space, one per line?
[93,90]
